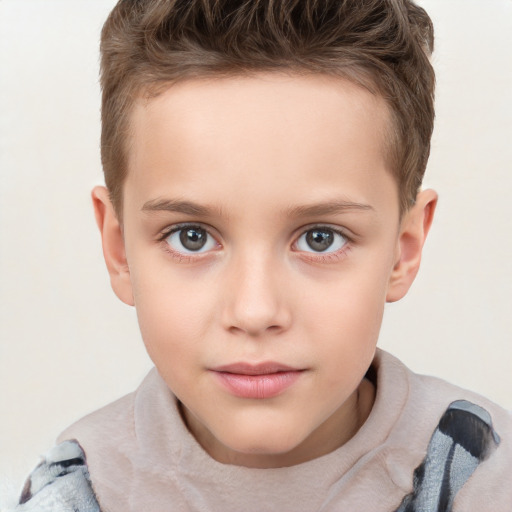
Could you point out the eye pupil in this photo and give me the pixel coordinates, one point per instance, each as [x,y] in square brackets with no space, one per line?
[193,238]
[319,240]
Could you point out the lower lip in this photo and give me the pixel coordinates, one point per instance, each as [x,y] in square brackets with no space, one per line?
[258,386]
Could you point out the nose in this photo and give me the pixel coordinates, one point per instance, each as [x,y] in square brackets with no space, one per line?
[255,297]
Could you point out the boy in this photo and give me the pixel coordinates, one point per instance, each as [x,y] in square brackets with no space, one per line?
[263,164]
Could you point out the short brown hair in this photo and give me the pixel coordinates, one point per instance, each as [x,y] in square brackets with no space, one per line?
[382,45]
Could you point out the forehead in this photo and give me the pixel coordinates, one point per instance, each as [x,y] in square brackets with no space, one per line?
[266,132]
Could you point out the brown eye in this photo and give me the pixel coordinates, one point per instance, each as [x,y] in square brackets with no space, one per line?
[189,239]
[322,239]
[319,240]
[193,239]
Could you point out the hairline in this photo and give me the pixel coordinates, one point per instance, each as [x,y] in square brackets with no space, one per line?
[151,90]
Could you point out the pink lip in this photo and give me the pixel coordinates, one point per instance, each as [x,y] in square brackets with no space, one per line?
[264,380]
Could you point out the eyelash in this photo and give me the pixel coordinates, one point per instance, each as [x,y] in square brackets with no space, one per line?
[180,256]
[326,257]
[315,257]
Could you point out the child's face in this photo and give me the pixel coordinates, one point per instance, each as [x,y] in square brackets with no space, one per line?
[262,234]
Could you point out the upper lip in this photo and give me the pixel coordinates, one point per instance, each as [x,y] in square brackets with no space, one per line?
[265,368]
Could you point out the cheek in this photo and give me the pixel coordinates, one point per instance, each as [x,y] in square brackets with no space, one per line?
[350,300]
[173,313]
[346,320]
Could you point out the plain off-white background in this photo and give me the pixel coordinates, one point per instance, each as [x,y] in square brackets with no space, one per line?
[68,346]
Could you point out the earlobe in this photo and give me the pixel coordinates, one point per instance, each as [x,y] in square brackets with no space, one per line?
[413,233]
[113,245]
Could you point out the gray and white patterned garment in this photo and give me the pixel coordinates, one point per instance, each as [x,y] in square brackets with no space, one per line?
[60,483]
[463,438]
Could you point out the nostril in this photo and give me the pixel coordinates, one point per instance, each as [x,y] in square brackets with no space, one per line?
[271,329]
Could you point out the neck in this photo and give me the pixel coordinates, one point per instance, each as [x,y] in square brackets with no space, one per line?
[339,428]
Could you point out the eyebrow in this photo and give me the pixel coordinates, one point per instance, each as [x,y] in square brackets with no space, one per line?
[328,208]
[191,208]
[178,206]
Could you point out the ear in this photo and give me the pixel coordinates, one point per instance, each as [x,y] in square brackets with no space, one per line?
[113,245]
[413,233]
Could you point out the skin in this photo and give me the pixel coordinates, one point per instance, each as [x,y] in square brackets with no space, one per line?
[263,160]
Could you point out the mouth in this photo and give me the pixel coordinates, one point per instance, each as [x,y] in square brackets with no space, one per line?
[260,381]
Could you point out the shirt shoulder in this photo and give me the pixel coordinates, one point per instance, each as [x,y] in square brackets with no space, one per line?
[59,483]
[465,442]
